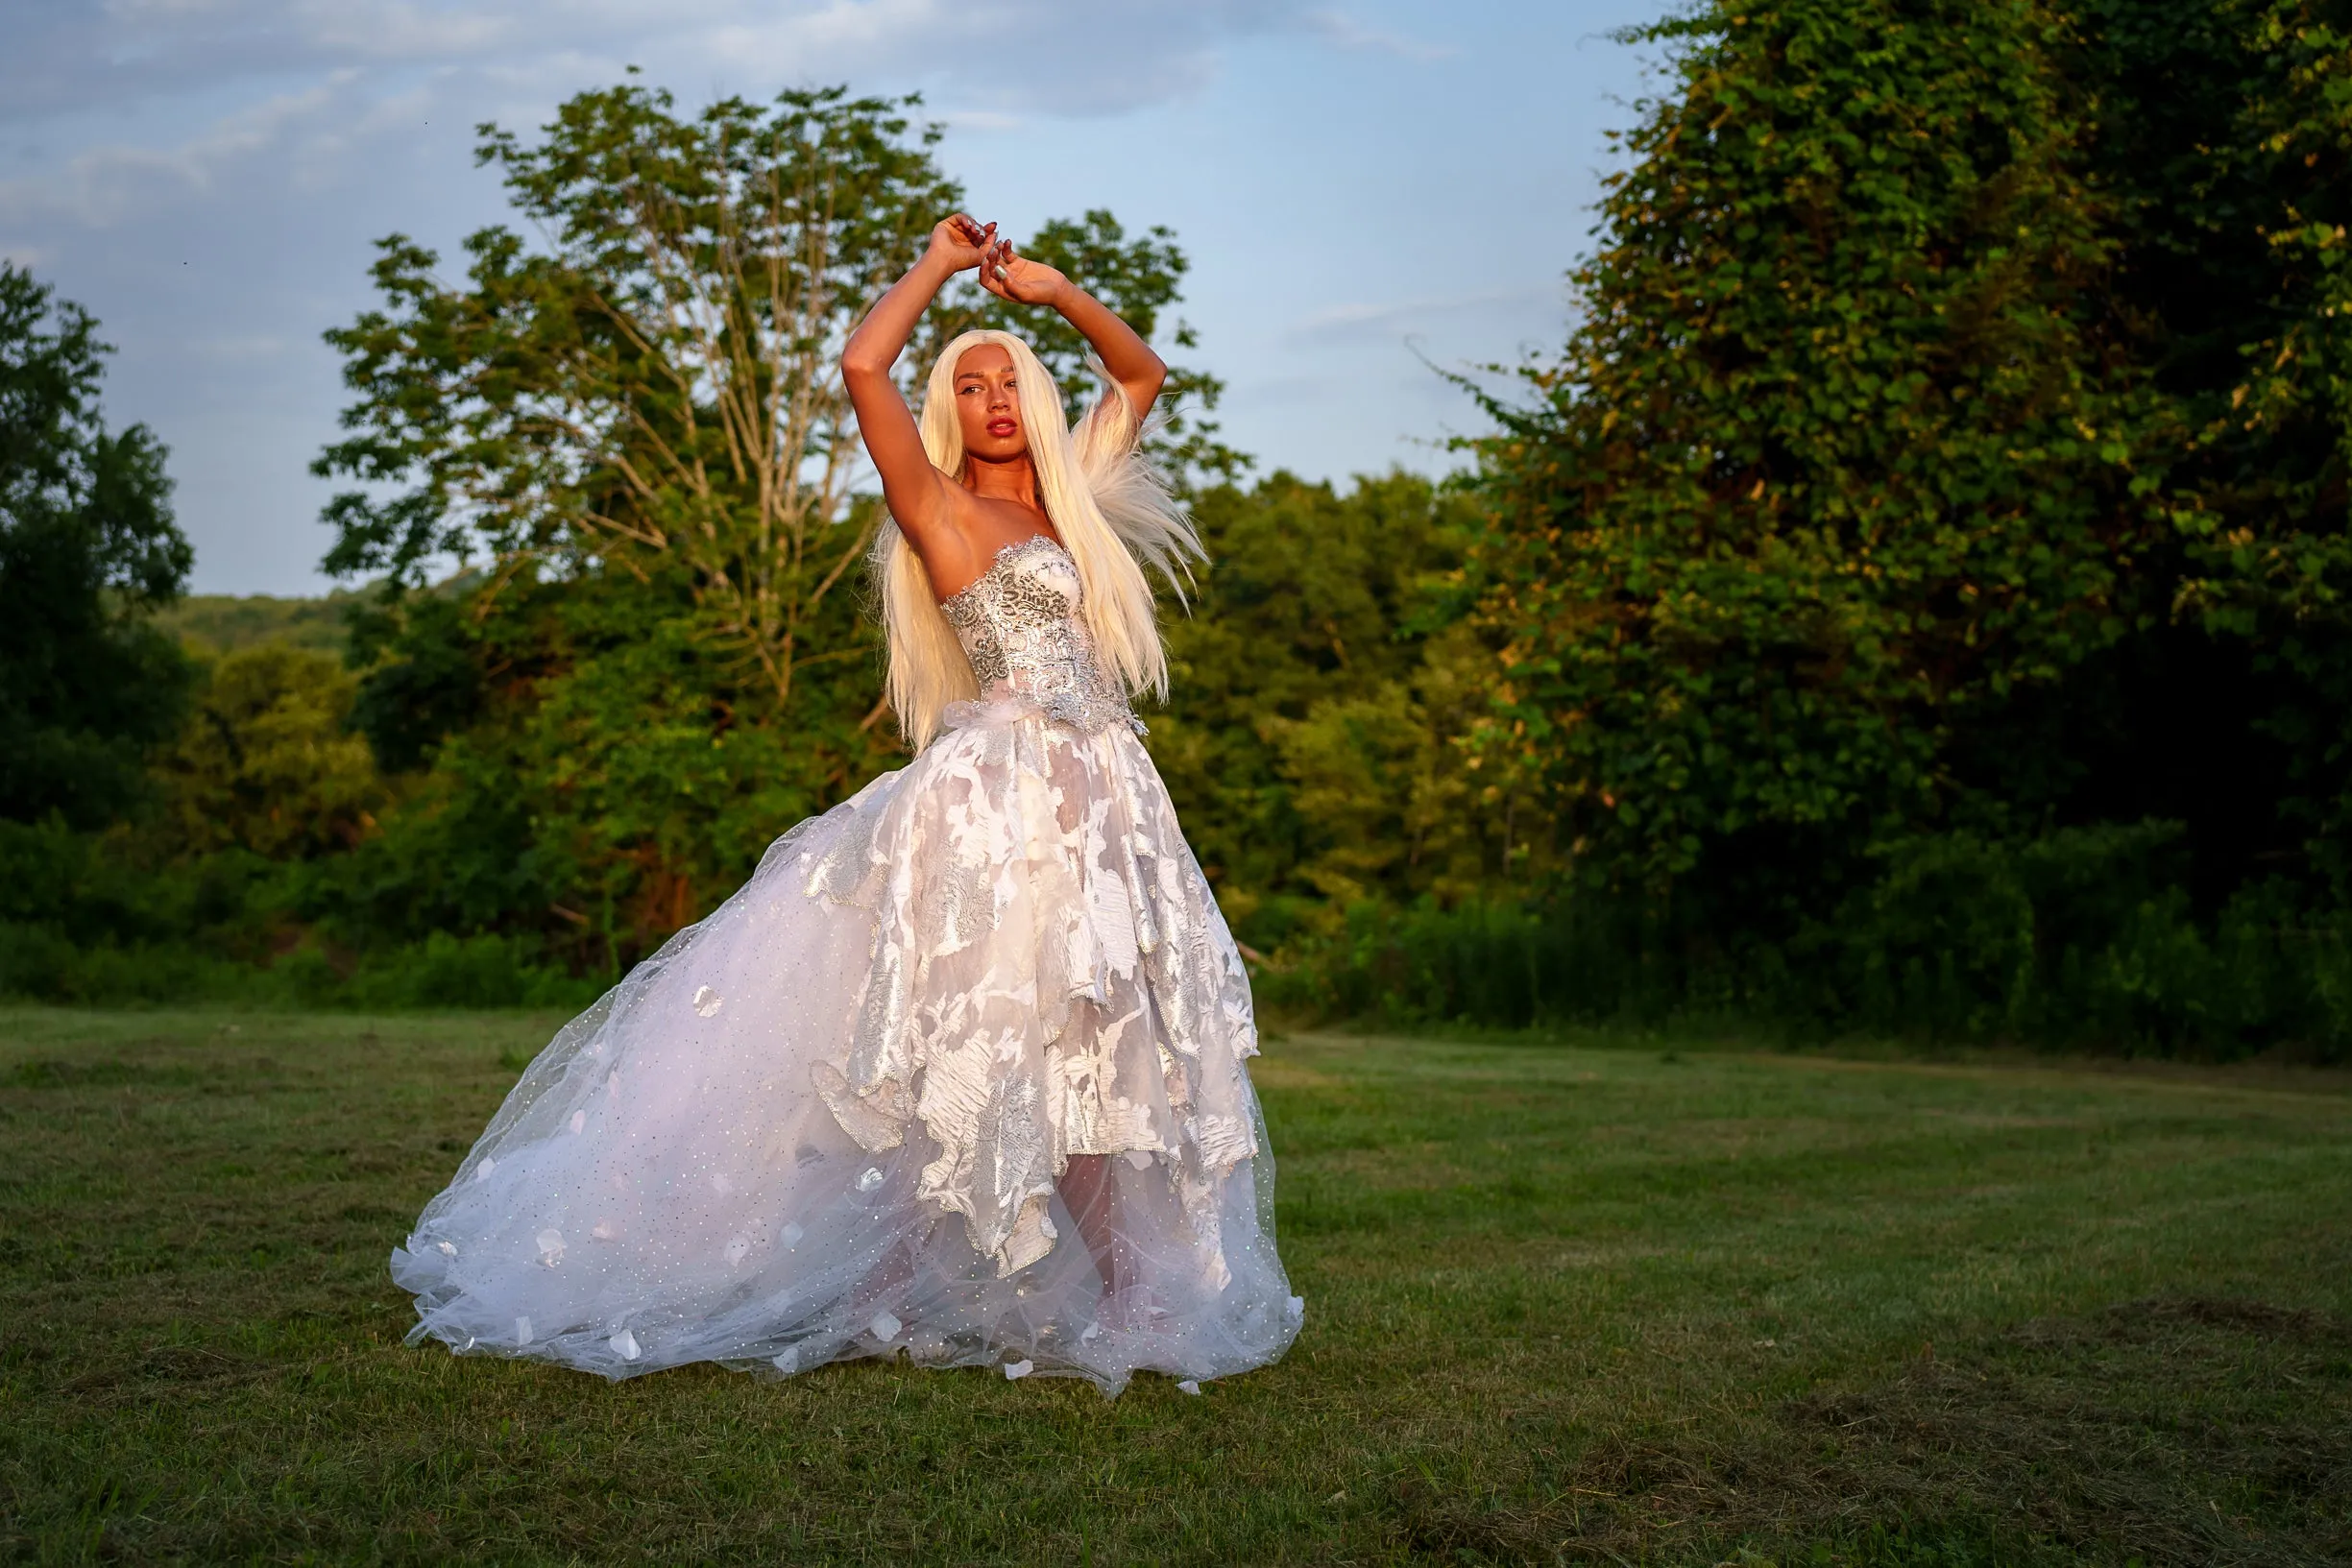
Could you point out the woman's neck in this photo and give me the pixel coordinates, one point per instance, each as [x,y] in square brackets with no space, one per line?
[1012,479]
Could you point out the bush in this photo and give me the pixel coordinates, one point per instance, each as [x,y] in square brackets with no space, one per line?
[41,961]
[1496,964]
[2083,937]
[446,970]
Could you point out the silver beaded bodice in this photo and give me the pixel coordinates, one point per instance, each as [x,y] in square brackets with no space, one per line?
[1019,625]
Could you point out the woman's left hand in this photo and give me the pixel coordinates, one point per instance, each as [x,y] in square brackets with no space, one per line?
[1010,276]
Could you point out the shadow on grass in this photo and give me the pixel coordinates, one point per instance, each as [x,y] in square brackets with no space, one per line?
[2168,1430]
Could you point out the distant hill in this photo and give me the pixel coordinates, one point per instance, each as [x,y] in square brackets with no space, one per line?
[217,623]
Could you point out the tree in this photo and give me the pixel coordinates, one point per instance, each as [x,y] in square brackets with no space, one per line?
[656,393]
[638,429]
[1846,455]
[659,393]
[1323,680]
[87,548]
[2224,138]
[266,761]
[1925,581]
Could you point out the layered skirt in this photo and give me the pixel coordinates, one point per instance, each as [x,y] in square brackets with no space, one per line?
[837,1117]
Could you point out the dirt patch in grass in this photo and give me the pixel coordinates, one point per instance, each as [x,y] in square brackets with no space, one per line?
[2168,1430]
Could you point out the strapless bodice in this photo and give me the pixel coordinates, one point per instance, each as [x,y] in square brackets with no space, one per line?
[1020,627]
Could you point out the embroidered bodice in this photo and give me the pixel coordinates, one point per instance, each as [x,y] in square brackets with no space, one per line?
[1020,627]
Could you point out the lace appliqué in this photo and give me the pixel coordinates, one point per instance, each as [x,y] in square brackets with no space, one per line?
[1049,976]
[1019,625]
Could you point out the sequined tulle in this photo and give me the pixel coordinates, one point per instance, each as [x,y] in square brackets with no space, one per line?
[835,1118]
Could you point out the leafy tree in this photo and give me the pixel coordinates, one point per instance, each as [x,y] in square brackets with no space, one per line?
[218,623]
[1320,684]
[266,760]
[1844,457]
[2224,135]
[657,394]
[1943,506]
[2229,142]
[1399,809]
[87,550]
[639,429]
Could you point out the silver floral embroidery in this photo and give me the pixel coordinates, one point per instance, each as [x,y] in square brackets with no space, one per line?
[1019,625]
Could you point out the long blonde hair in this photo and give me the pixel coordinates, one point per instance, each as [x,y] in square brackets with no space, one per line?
[1105,498]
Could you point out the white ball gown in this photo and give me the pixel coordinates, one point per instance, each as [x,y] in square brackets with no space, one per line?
[836,1118]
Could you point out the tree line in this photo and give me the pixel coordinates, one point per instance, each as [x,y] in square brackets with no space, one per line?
[1911,599]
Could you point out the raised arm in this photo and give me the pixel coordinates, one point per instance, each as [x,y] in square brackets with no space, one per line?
[1139,371]
[915,491]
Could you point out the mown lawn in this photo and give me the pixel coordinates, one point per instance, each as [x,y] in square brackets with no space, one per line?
[1593,1302]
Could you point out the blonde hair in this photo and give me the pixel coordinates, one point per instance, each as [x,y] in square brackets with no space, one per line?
[1105,498]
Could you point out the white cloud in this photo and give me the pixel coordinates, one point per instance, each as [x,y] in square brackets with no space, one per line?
[1338,28]
[330,86]
[59,56]
[980,120]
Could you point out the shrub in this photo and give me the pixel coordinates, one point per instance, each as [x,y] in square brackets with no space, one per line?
[2082,937]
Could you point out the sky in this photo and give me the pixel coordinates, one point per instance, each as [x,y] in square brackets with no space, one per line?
[1369,192]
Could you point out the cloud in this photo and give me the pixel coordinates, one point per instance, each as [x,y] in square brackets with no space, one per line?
[67,58]
[1345,32]
[207,175]
[1391,321]
[1062,56]
[108,184]
[149,106]
[980,120]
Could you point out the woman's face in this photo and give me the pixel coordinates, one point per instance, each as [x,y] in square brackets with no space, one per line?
[987,405]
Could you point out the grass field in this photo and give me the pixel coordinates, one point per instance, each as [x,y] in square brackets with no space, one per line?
[1576,1302]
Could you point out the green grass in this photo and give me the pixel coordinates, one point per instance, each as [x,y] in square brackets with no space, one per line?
[1566,1303]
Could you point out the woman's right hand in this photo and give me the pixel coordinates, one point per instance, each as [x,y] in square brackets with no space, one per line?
[960,242]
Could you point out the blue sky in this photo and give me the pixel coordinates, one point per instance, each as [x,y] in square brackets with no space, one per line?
[1365,189]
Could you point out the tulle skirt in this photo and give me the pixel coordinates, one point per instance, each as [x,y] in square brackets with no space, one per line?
[958,1074]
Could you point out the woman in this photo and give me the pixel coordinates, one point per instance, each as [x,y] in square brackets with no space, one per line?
[959,1070]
